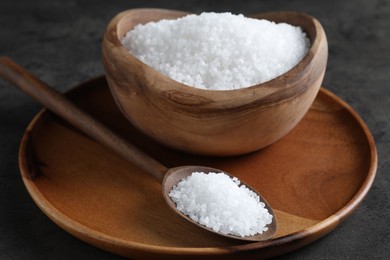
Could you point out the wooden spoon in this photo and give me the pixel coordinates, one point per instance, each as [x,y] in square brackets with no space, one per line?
[58,104]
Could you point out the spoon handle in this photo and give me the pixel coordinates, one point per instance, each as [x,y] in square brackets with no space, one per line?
[58,104]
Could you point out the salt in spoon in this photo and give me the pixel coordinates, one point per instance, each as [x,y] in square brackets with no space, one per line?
[169,177]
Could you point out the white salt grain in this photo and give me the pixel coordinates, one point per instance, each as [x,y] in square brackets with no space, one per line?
[218,51]
[216,201]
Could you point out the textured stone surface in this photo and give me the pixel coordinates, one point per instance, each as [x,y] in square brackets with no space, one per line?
[60,42]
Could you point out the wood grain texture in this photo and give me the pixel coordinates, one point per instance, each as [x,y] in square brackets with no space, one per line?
[314,177]
[211,122]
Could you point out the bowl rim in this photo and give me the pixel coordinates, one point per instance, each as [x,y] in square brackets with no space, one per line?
[263,90]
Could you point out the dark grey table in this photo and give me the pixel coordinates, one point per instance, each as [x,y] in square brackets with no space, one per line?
[60,42]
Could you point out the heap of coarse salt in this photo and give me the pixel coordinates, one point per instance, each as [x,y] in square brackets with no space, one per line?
[218,51]
[218,202]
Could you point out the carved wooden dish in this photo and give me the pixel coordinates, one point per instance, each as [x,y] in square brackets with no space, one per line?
[314,178]
[211,122]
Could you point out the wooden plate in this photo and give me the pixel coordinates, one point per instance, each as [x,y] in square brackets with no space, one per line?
[314,178]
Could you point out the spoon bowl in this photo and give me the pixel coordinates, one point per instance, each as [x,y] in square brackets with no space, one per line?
[58,104]
[217,123]
[175,175]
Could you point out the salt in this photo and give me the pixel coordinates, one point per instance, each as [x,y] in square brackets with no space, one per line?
[218,51]
[218,202]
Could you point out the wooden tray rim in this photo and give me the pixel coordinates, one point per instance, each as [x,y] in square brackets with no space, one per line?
[88,234]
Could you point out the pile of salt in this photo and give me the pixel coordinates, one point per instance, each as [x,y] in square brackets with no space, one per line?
[218,51]
[217,201]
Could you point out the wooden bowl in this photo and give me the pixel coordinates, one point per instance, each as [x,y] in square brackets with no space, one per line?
[219,123]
